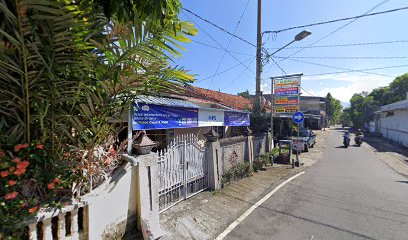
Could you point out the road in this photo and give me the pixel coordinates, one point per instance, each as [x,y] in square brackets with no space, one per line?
[349,194]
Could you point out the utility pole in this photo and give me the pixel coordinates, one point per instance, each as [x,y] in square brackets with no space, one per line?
[258,58]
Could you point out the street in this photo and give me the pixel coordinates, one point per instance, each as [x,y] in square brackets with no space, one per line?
[349,194]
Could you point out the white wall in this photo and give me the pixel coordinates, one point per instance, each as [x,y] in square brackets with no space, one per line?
[395,127]
[113,203]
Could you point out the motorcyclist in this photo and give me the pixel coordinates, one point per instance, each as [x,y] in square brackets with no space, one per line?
[346,139]
[359,136]
[359,132]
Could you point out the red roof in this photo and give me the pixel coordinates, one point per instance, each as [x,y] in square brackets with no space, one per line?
[229,100]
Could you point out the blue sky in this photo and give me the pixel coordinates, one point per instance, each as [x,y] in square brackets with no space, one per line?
[203,60]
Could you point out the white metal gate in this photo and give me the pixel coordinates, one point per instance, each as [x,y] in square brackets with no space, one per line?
[182,171]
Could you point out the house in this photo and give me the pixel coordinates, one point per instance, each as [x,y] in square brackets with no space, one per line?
[390,122]
[312,107]
[194,111]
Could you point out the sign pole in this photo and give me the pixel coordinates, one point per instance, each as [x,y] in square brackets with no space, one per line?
[297,151]
[272,105]
[130,130]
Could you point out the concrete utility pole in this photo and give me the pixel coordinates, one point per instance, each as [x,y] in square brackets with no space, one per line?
[258,58]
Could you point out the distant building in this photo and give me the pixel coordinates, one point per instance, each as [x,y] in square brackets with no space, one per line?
[314,109]
[391,122]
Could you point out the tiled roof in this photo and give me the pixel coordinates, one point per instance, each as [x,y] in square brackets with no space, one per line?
[229,100]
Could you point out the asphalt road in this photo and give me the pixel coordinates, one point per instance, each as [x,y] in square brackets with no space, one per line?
[349,194]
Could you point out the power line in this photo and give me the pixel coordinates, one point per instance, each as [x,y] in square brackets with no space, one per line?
[348,44]
[209,35]
[338,29]
[329,57]
[225,70]
[359,70]
[221,28]
[286,74]
[229,43]
[318,46]
[307,92]
[239,76]
[338,20]
[349,70]
[211,46]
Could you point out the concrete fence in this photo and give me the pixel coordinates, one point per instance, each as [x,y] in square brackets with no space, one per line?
[222,154]
[127,202]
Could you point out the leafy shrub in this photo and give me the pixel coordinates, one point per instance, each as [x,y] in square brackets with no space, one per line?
[236,172]
[30,180]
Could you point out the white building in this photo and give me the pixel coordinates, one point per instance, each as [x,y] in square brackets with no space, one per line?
[392,122]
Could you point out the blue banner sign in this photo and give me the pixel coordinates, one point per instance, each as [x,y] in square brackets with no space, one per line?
[148,116]
[236,119]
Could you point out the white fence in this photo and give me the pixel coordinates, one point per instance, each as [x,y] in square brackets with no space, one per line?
[182,170]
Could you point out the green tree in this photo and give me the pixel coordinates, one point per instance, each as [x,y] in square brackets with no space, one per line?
[333,108]
[362,107]
[245,94]
[345,118]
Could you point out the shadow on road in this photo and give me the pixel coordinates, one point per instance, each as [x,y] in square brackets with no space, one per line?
[403,182]
[384,145]
[341,147]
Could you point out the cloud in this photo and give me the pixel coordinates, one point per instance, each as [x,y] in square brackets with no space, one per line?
[353,83]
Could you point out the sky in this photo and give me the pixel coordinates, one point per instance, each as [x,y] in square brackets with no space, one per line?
[322,64]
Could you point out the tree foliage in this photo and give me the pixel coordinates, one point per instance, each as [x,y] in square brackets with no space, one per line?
[245,94]
[364,104]
[333,109]
[68,69]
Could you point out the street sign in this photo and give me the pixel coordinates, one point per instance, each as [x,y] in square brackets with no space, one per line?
[298,117]
[298,145]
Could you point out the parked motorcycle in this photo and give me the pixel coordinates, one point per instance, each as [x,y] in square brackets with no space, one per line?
[359,140]
[346,140]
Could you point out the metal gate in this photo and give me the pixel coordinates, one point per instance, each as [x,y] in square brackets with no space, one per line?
[182,171]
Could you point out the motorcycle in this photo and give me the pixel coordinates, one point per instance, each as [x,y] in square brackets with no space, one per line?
[359,140]
[346,140]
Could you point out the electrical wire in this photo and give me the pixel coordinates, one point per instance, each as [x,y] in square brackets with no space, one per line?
[337,20]
[211,46]
[229,43]
[348,44]
[220,28]
[337,29]
[286,74]
[225,70]
[239,76]
[329,57]
[350,70]
[219,44]
[367,69]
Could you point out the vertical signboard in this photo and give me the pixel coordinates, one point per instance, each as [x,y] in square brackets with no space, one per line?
[286,91]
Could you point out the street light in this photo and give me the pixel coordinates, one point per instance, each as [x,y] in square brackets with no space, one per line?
[300,36]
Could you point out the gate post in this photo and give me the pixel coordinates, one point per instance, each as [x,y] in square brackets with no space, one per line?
[213,158]
[148,197]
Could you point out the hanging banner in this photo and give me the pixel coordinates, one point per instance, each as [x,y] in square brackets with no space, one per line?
[236,119]
[148,116]
[207,118]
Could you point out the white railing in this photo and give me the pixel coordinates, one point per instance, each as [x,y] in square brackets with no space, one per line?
[70,222]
